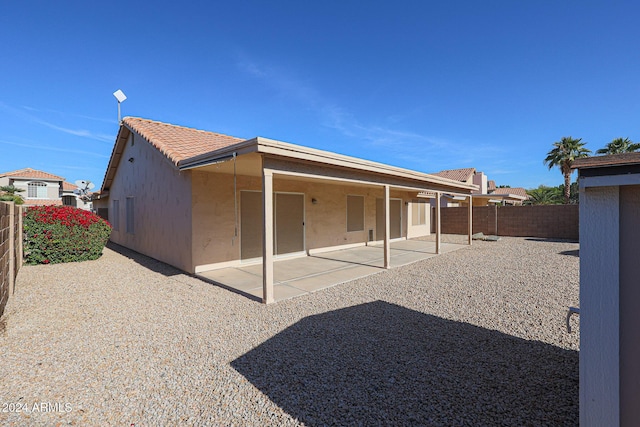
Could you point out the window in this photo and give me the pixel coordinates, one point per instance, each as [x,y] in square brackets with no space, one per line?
[37,190]
[70,201]
[129,208]
[115,221]
[355,213]
[418,212]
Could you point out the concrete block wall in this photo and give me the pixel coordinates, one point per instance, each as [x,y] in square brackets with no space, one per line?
[544,221]
[10,250]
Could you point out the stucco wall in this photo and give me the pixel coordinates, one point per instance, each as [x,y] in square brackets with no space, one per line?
[325,221]
[162,205]
[599,306]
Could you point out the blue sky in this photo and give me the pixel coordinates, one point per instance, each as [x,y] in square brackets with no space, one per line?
[418,84]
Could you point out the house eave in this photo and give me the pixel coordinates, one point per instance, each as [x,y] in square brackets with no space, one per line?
[116,154]
[284,149]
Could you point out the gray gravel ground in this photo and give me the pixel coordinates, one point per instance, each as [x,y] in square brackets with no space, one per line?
[473,337]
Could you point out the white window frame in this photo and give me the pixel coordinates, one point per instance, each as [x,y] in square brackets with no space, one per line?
[421,218]
[39,188]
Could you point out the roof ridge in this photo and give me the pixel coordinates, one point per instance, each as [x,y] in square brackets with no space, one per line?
[24,171]
[157,122]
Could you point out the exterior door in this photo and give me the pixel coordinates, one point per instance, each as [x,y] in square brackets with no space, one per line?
[250,224]
[289,223]
[395,219]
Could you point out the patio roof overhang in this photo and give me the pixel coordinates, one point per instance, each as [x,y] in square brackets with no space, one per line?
[281,150]
[280,159]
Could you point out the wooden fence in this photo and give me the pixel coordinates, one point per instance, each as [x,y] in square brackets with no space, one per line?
[10,250]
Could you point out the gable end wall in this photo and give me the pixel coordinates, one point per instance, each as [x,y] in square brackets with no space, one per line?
[162,205]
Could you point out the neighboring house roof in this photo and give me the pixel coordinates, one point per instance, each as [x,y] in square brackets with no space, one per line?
[177,142]
[67,186]
[603,161]
[462,175]
[30,173]
[518,191]
[491,185]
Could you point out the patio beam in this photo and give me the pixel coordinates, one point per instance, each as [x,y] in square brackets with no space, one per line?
[470,219]
[438,222]
[387,247]
[267,236]
[314,176]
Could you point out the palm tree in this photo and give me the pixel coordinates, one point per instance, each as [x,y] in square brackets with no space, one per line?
[562,155]
[544,195]
[8,194]
[619,145]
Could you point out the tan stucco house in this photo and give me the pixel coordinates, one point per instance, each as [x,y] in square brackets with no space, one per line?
[200,200]
[43,188]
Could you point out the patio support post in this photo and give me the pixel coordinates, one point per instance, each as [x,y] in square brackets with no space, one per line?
[470,219]
[267,236]
[387,248]
[437,222]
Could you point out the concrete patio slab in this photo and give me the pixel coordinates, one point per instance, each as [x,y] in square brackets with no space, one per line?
[298,276]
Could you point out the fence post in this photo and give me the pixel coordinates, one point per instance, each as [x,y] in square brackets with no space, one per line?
[12,247]
[20,235]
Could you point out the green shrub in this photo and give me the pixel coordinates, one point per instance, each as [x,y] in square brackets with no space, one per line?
[54,234]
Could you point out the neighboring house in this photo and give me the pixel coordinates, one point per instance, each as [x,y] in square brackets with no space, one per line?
[43,188]
[485,194]
[609,289]
[466,176]
[509,196]
[200,200]
[40,188]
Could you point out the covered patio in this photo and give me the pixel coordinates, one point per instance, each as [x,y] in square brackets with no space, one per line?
[296,276]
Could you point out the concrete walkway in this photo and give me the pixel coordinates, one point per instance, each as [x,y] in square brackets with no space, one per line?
[299,276]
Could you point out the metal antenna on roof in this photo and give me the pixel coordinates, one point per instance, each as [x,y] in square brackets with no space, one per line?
[120,96]
[84,188]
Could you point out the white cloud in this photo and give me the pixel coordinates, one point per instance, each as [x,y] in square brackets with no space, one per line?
[57,149]
[24,115]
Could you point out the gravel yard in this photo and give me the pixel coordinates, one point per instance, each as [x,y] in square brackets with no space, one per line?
[473,337]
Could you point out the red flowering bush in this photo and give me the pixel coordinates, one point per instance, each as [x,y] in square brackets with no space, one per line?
[54,234]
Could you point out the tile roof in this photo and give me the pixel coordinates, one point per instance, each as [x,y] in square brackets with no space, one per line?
[177,142]
[67,186]
[604,161]
[491,185]
[461,175]
[518,191]
[32,173]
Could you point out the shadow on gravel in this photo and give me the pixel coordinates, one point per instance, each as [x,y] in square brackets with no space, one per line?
[575,252]
[383,364]
[552,240]
[145,261]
